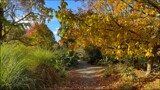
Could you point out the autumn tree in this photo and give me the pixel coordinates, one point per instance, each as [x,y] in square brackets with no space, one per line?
[136,29]
[20,13]
[123,28]
[62,14]
[40,35]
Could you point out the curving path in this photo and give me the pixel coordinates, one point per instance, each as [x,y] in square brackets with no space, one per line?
[88,72]
[85,76]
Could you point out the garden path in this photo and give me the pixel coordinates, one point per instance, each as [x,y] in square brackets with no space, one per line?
[85,76]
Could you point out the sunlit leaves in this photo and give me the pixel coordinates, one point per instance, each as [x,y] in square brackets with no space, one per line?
[40,35]
[149,53]
[124,28]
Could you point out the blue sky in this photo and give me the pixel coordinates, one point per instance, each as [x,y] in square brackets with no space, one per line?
[54,23]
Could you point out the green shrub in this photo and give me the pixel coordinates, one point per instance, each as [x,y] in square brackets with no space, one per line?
[71,59]
[58,59]
[108,60]
[129,74]
[102,62]
[62,57]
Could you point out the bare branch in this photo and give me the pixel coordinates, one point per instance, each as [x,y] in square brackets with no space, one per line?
[24,17]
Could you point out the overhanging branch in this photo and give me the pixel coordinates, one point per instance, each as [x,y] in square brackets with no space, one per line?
[22,41]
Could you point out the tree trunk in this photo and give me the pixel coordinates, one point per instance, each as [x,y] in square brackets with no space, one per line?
[149,65]
[1,21]
[151,60]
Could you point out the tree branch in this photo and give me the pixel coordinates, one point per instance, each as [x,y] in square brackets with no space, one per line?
[18,39]
[154,5]
[24,17]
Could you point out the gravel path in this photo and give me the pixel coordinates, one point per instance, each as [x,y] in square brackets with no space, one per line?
[88,72]
[84,77]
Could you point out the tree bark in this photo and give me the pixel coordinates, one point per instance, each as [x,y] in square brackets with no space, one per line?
[1,21]
[149,65]
[151,60]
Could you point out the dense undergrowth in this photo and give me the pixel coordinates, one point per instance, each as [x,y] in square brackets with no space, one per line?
[131,78]
[23,67]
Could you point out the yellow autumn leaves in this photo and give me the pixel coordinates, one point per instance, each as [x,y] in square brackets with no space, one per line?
[149,52]
[119,27]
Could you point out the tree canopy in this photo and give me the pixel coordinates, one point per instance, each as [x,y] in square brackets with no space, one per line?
[40,35]
[122,28]
[20,13]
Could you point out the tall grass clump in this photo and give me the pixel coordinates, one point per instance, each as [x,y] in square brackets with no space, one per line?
[12,68]
[39,62]
[39,56]
[48,66]
[23,67]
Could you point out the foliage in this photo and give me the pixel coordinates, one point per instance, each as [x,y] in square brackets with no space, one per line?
[64,57]
[58,62]
[114,69]
[129,74]
[40,35]
[109,71]
[121,28]
[17,32]
[13,67]
[138,63]
[64,27]
[39,56]
[28,67]
[108,60]
[128,85]
[18,13]
[72,59]
[128,77]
